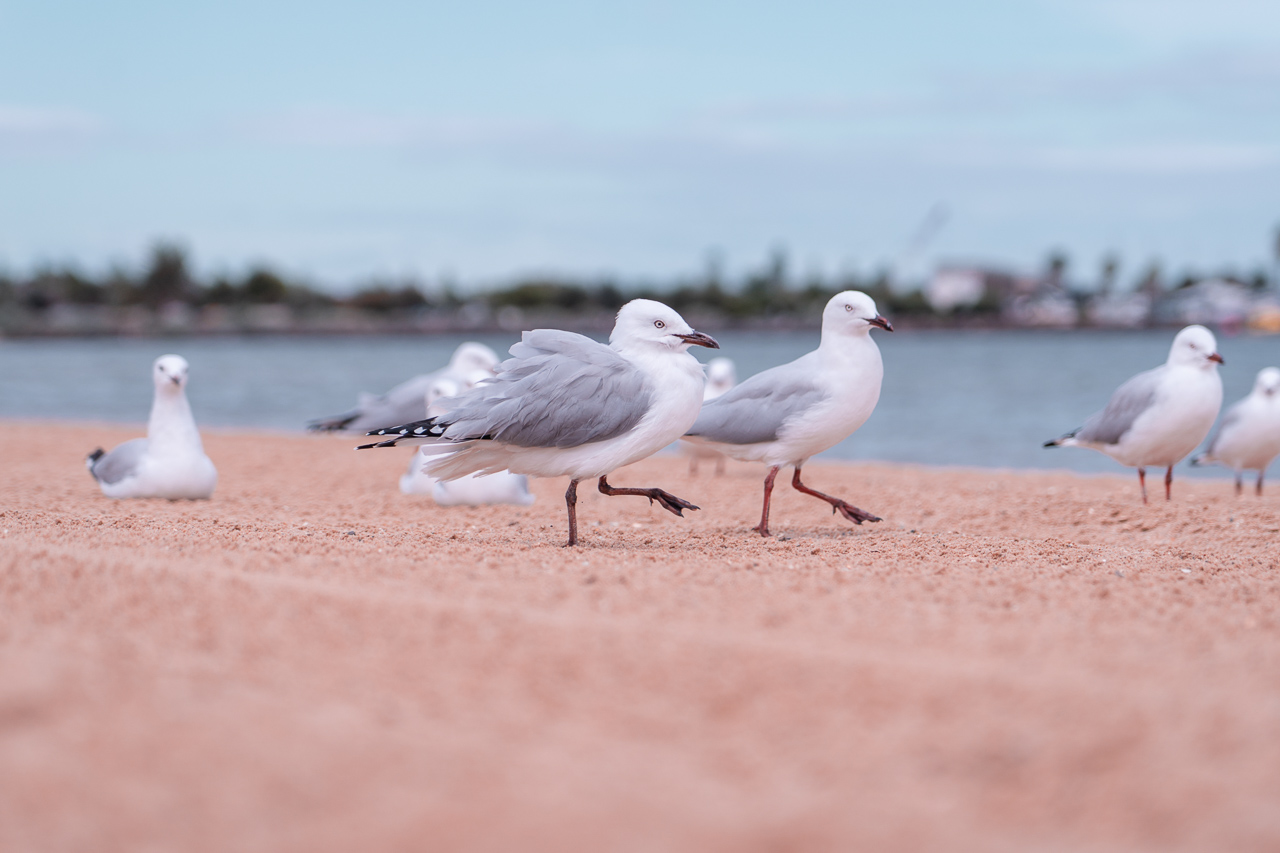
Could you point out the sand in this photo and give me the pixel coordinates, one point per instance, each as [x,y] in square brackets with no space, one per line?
[311,661]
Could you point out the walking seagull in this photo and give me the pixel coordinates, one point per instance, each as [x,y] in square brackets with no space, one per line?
[405,402]
[565,405]
[1249,437]
[170,461]
[788,413]
[1159,416]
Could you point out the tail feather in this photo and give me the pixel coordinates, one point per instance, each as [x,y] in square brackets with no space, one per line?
[1061,440]
[92,459]
[429,428]
[336,423]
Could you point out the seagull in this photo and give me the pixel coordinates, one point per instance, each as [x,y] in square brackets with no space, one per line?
[788,413]
[721,376]
[502,487]
[170,461]
[565,405]
[404,402]
[1159,416]
[1249,437]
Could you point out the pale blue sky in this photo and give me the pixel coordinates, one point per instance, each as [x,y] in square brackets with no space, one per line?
[491,139]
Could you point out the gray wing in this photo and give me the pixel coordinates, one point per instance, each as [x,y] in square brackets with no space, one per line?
[755,410]
[111,468]
[558,390]
[403,403]
[1128,402]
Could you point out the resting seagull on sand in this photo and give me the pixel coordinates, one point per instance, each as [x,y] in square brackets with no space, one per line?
[1159,416]
[405,401]
[473,489]
[788,413]
[170,461]
[1249,438]
[565,405]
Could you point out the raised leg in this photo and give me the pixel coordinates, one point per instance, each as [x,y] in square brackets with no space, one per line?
[1142,481]
[1168,483]
[1259,486]
[763,527]
[848,510]
[1239,483]
[571,501]
[668,501]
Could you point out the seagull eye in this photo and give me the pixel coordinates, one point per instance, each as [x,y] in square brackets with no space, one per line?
[848,307]
[658,324]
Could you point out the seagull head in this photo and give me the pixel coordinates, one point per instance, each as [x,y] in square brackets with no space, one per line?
[440,389]
[472,356]
[648,324]
[1195,346]
[852,313]
[1268,382]
[721,375]
[169,373]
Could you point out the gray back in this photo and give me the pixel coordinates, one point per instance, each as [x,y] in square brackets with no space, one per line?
[559,389]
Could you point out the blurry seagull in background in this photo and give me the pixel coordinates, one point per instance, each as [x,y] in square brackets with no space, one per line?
[1249,437]
[787,414]
[565,405]
[721,376]
[502,487]
[168,463]
[405,401]
[1159,416]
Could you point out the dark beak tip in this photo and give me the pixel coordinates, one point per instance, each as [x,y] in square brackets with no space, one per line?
[882,323]
[1217,358]
[699,339]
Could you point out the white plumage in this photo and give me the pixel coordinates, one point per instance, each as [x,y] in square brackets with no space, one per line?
[1159,416]
[1249,437]
[565,405]
[170,462]
[787,414]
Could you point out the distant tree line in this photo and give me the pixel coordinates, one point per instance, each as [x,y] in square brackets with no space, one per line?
[168,279]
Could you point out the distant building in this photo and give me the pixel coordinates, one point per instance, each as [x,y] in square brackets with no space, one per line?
[1211,302]
[956,288]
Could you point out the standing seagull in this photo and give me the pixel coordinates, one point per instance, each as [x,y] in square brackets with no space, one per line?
[405,401]
[170,461]
[788,413]
[1160,415]
[1249,437]
[565,405]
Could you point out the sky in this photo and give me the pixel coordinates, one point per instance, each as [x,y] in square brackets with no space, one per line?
[483,141]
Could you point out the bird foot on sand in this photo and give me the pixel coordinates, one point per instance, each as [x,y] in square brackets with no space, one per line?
[668,501]
[851,512]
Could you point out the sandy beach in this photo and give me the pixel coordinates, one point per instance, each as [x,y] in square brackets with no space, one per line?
[313,661]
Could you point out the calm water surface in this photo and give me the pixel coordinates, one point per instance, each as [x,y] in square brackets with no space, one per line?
[949,398]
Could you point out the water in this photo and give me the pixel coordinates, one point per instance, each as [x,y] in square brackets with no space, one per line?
[986,399]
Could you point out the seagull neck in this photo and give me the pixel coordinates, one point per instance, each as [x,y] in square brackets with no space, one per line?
[171,425]
[843,346]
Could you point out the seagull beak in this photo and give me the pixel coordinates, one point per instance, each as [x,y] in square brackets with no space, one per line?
[176,380]
[1217,358]
[700,340]
[881,322]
